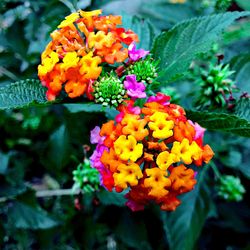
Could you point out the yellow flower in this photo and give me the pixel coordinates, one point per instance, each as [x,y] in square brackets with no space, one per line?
[100,40]
[162,128]
[165,159]
[89,66]
[157,182]
[90,13]
[48,64]
[127,148]
[70,60]
[127,175]
[186,152]
[69,20]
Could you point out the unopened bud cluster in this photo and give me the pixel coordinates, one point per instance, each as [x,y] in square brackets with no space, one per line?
[109,90]
[230,188]
[145,70]
[215,85]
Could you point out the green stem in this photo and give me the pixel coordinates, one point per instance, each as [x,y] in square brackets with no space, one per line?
[215,169]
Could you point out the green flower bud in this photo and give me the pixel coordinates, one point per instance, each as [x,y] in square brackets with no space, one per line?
[215,85]
[109,90]
[145,70]
[86,178]
[230,188]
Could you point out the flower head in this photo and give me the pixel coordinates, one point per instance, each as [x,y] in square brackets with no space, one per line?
[79,47]
[149,151]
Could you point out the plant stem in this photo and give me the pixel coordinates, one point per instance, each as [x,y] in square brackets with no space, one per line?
[48,193]
[215,169]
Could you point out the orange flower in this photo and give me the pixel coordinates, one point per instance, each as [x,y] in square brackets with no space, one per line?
[182,179]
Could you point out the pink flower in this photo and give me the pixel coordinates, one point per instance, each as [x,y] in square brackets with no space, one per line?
[134,89]
[198,129]
[95,137]
[160,98]
[134,54]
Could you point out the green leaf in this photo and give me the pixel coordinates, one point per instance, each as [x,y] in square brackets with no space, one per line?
[184,225]
[244,4]
[111,198]
[132,231]
[24,216]
[177,47]
[4,161]
[222,122]
[241,65]
[143,28]
[22,93]
[90,108]
[59,147]
[242,108]
[239,31]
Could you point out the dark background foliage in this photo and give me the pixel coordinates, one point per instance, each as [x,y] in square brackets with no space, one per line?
[41,146]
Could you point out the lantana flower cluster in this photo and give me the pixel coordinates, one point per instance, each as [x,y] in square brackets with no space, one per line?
[149,152]
[83,43]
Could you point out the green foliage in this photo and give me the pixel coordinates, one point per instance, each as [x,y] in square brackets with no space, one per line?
[241,65]
[177,47]
[184,226]
[21,94]
[243,4]
[143,28]
[237,123]
[26,217]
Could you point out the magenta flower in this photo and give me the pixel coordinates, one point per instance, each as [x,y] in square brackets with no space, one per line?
[134,89]
[95,159]
[160,98]
[199,131]
[95,137]
[135,54]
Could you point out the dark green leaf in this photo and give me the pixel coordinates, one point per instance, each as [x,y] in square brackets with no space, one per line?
[132,231]
[143,28]
[22,93]
[4,161]
[241,30]
[59,147]
[241,65]
[111,198]
[244,4]
[221,122]
[178,47]
[27,217]
[242,108]
[90,108]
[183,226]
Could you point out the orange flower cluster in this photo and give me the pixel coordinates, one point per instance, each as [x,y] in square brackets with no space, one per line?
[149,151]
[82,42]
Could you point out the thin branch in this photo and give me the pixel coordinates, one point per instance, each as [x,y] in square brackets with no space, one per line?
[48,193]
